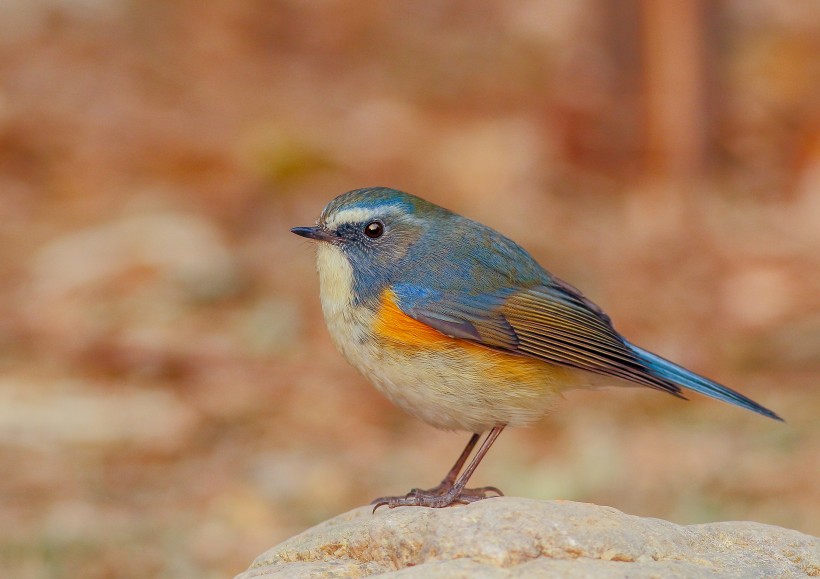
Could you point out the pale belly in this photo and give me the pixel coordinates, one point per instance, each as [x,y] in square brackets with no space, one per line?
[458,389]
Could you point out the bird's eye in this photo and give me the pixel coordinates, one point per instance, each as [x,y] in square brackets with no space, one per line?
[374,229]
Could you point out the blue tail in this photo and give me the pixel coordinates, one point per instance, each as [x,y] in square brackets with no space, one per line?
[679,375]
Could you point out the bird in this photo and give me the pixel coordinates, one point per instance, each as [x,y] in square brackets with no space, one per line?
[459,326]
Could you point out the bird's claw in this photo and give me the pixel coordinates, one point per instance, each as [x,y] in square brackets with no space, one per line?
[437,497]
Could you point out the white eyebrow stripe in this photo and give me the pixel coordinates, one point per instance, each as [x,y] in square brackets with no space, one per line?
[358,215]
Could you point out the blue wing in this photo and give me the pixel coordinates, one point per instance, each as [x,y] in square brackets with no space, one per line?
[554,322]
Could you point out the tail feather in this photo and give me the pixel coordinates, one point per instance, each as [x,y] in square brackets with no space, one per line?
[670,371]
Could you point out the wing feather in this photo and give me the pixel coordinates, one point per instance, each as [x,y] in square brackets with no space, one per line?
[551,322]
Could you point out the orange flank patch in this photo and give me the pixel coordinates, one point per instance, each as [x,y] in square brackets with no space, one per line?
[394,325]
[400,331]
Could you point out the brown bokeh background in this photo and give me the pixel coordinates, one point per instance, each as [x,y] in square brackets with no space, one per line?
[170,402]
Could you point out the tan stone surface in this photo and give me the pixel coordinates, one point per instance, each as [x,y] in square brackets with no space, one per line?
[515,537]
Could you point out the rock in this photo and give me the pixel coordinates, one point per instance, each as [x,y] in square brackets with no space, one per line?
[515,537]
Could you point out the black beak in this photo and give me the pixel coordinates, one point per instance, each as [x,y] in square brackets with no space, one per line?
[317,233]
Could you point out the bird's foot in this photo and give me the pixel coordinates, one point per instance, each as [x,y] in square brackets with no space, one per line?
[437,497]
[443,488]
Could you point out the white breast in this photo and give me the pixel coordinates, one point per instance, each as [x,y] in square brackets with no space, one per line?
[349,326]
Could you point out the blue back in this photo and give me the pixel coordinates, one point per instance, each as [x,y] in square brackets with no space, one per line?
[434,248]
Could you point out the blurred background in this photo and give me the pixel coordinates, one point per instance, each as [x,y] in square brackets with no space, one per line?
[170,402]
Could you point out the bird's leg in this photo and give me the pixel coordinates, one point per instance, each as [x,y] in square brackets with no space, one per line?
[447,482]
[449,492]
[458,492]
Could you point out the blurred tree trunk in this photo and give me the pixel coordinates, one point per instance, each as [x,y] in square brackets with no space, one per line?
[678,51]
